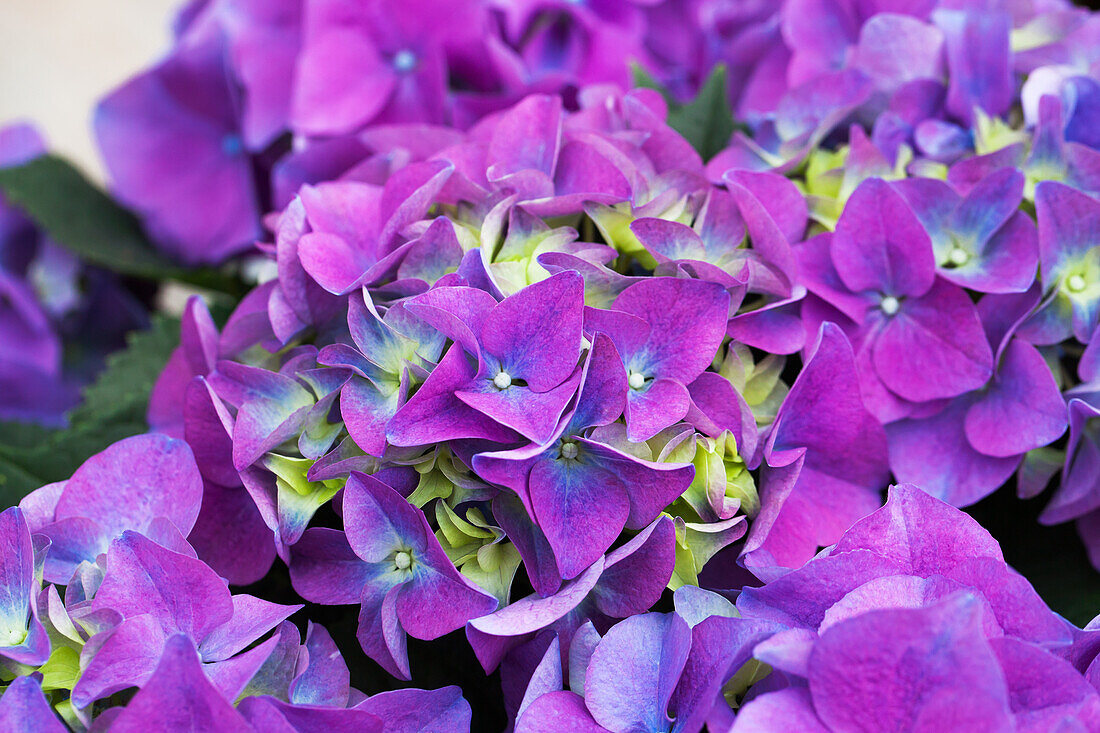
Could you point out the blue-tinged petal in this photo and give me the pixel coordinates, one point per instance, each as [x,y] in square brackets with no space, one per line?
[178,696]
[634,670]
[24,707]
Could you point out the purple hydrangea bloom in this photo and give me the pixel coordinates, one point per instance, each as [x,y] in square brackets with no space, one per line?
[918,337]
[982,242]
[525,351]
[581,491]
[964,449]
[916,590]
[667,331]
[1067,255]
[158,594]
[390,562]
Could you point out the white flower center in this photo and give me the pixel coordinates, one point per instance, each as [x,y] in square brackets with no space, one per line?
[404,60]
[12,636]
[889,305]
[402,560]
[503,380]
[636,380]
[959,256]
[1076,283]
[568,450]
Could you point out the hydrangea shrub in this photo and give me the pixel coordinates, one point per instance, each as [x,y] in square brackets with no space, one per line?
[659,436]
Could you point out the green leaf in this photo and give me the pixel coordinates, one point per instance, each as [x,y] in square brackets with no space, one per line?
[706,121]
[121,392]
[86,221]
[113,408]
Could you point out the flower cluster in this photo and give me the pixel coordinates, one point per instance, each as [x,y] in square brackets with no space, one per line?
[477,387]
[103,594]
[531,368]
[58,317]
[258,97]
[913,619]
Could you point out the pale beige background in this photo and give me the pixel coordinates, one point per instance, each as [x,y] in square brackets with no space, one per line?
[58,56]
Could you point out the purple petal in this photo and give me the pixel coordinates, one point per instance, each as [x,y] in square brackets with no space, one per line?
[880,245]
[558,711]
[437,603]
[774,206]
[823,412]
[1068,225]
[420,711]
[435,413]
[563,496]
[179,697]
[894,49]
[181,593]
[149,476]
[1045,691]
[933,453]
[231,536]
[1021,410]
[327,102]
[719,646]
[271,714]
[933,347]
[527,137]
[533,415]
[1008,262]
[862,670]
[164,138]
[652,486]
[367,409]
[989,205]
[17,574]
[687,320]
[538,557]
[633,672]
[457,312]
[379,521]
[722,408]
[24,707]
[788,709]
[534,612]
[122,657]
[603,386]
[325,679]
[380,633]
[913,528]
[536,333]
[636,574]
[1077,495]
[545,678]
[650,410]
[979,60]
[825,446]
[669,240]
[252,618]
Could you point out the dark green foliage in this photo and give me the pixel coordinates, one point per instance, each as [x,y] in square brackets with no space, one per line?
[113,408]
[84,220]
[706,121]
